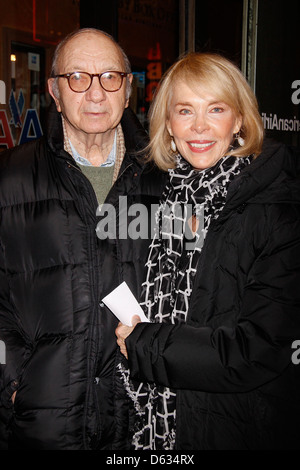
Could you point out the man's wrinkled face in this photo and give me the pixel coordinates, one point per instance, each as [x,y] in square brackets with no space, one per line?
[95,110]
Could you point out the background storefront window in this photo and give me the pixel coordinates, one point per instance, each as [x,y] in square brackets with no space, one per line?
[29,32]
[152,45]
[260,36]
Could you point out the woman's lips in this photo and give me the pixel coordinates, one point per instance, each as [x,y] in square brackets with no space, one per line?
[201,146]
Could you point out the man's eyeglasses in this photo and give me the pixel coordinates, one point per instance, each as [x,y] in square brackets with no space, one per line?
[81,81]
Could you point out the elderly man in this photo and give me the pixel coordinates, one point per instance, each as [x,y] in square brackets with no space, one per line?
[57,385]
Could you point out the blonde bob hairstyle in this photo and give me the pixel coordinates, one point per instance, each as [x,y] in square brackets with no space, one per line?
[220,78]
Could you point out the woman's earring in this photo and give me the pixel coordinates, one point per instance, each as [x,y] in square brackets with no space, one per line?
[240,139]
[173,145]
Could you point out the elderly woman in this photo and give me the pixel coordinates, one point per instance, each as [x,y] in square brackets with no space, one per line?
[213,369]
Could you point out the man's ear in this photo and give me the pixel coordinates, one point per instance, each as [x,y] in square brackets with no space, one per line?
[53,92]
[130,78]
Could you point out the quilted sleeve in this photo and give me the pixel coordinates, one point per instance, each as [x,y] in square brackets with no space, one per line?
[256,349]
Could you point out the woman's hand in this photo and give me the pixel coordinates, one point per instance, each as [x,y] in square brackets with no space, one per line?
[122,331]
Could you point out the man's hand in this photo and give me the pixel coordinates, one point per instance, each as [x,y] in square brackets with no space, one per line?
[122,331]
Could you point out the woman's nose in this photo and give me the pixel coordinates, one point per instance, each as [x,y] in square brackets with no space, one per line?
[200,122]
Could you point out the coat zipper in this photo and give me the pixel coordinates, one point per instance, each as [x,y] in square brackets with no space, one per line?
[92,331]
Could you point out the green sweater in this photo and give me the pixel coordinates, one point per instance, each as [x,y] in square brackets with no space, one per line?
[100,178]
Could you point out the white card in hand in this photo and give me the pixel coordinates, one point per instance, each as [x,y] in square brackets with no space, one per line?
[124,305]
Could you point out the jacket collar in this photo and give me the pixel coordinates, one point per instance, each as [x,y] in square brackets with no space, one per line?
[269,178]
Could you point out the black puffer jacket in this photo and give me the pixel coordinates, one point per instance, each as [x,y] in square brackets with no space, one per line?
[60,343]
[237,387]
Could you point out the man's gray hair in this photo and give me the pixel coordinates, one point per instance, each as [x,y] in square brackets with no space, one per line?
[61,45]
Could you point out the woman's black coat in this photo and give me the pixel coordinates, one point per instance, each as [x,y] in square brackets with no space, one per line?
[237,386]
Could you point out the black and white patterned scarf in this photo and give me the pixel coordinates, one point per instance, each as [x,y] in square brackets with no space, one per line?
[191,200]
